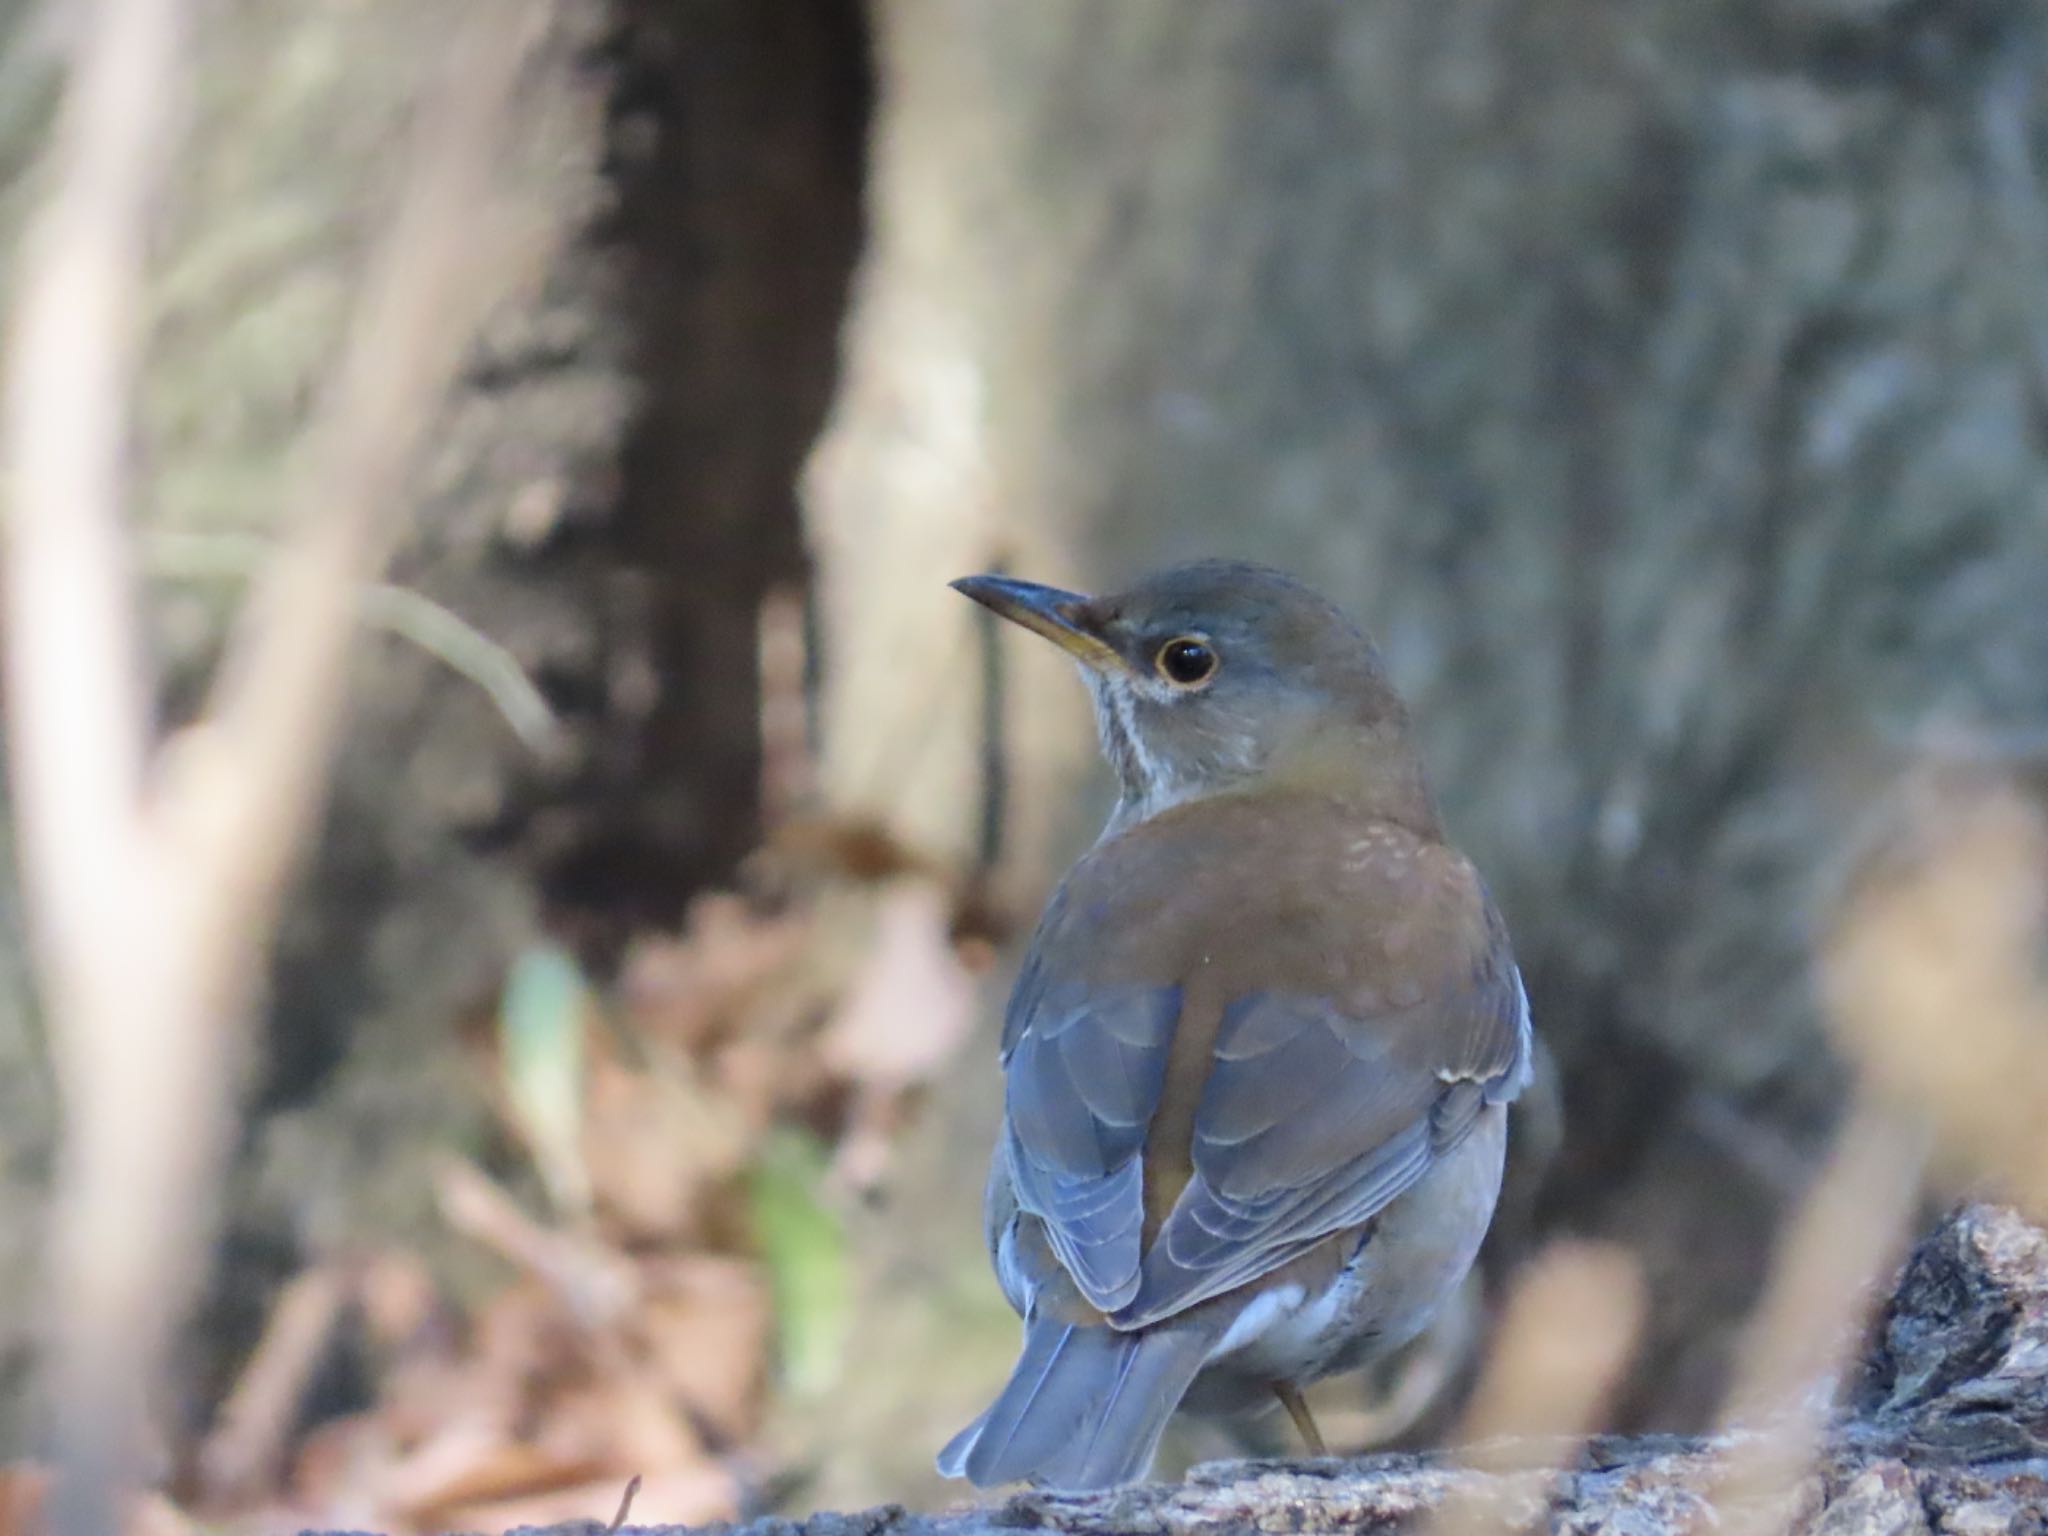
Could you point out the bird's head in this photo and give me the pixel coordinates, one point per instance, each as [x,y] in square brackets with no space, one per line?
[1220,676]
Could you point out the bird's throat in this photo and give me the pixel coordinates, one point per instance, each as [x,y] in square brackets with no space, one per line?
[1374,770]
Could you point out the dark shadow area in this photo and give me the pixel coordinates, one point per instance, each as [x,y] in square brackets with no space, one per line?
[737,142]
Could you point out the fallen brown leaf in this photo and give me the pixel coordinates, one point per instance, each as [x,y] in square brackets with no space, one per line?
[707,1330]
[657,1142]
[911,1004]
[697,989]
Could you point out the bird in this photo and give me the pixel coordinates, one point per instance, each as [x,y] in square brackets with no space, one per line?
[1258,1057]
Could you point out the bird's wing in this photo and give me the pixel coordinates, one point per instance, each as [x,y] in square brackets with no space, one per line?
[1310,1124]
[1083,1069]
[1359,1034]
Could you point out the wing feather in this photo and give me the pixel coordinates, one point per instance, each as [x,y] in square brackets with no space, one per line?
[1315,1118]
[1354,1047]
[1083,1080]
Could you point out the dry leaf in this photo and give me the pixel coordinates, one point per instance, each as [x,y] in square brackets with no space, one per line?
[912,1002]
[706,1330]
[656,1143]
[646,1427]
[763,1079]
[695,990]
[636,1339]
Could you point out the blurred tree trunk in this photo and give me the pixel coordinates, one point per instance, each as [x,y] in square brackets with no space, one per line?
[1662,384]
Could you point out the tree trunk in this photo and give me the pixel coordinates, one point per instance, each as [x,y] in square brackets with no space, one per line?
[1661,384]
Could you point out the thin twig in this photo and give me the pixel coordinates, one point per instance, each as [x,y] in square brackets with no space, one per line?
[409,615]
[594,1283]
[468,652]
[625,1505]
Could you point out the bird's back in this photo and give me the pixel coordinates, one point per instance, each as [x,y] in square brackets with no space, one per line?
[1286,943]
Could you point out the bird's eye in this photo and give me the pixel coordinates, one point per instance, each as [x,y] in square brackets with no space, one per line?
[1187,662]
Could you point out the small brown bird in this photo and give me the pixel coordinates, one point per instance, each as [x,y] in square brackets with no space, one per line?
[1258,1061]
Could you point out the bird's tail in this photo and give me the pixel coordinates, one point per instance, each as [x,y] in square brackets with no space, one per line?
[1084,1407]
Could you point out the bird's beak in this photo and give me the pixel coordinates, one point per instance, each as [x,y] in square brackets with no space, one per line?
[1064,618]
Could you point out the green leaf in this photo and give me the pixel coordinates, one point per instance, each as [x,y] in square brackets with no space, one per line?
[804,1246]
[541,1019]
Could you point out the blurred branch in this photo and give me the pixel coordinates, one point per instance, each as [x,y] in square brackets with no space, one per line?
[79,718]
[442,266]
[1932,972]
[1566,1335]
[78,751]
[153,880]
[247,1442]
[1827,1276]
[401,611]
[1929,973]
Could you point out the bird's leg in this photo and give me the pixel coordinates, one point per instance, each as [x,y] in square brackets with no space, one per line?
[1304,1421]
